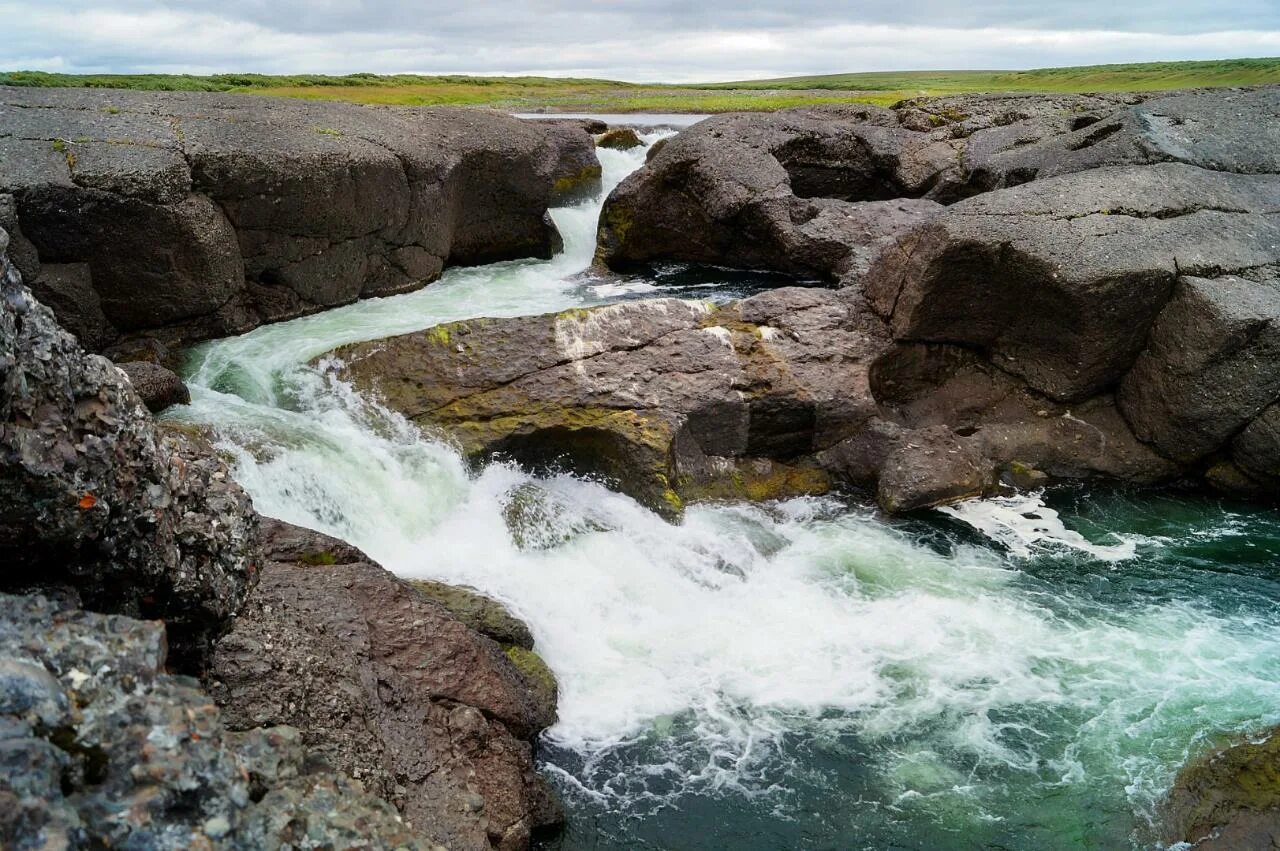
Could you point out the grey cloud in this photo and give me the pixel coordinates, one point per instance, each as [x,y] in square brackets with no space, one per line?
[625,39]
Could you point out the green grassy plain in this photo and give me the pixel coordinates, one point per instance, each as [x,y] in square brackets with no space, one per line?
[588,95]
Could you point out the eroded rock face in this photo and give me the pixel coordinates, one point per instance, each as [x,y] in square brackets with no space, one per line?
[1092,295]
[1211,365]
[101,748]
[1228,800]
[157,387]
[1060,280]
[669,399]
[1218,130]
[95,502]
[190,215]
[784,393]
[386,685]
[809,192]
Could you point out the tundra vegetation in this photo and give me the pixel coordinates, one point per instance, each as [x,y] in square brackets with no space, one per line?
[883,88]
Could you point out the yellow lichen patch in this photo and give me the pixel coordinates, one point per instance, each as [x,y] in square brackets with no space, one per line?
[759,481]
[578,182]
[534,670]
[619,220]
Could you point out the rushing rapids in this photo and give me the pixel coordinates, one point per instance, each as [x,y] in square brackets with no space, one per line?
[803,674]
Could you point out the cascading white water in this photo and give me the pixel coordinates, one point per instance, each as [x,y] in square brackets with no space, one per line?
[692,659]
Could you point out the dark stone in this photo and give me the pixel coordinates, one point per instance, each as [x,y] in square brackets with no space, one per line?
[202,215]
[157,387]
[1219,130]
[736,400]
[1212,364]
[388,686]
[812,192]
[95,499]
[1228,800]
[620,139]
[931,467]
[480,613]
[99,748]
[1060,280]
[1257,449]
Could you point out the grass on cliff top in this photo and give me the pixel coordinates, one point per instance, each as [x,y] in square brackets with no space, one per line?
[883,88]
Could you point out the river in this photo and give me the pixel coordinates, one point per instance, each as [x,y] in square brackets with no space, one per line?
[809,674]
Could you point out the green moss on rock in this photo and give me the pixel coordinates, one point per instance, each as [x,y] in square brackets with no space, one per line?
[580,184]
[1238,783]
[541,682]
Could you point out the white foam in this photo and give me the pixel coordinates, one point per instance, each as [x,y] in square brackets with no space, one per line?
[1024,525]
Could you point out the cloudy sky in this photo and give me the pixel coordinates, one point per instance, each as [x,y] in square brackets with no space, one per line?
[634,40]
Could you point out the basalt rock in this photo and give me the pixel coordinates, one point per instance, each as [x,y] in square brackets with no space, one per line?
[1228,800]
[97,503]
[157,387]
[192,215]
[1060,280]
[670,400]
[1211,365]
[787,392]
[1219,130]
[808,192]
[620,139]
[387,686]
[103,749]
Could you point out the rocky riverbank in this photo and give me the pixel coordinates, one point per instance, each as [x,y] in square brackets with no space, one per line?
[165,218]
[1024,289]
[1021,290]
[337,706]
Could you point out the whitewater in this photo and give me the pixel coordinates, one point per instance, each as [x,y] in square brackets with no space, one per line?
[1020,672]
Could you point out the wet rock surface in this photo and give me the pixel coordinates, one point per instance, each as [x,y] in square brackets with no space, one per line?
[387,686]
[157,387]
[1228,799]
[192,215]
[97,503]
[670,400]
[1077,285]
[99,747]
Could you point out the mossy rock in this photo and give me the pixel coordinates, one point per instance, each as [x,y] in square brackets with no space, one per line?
[541,682]
[482,614]
[577,186]
[620,139]
[1232,794]
[758,480]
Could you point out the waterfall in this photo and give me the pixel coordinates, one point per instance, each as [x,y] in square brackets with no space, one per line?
[811,668]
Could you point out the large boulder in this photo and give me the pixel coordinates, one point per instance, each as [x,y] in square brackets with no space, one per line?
[1060,280]
[387,686]
[95,501]
[1257,448]
[103,749]
[787,392]
[809,192]
[192,215]
[670,400]
[1212,364]
[1228,800]
[156,386]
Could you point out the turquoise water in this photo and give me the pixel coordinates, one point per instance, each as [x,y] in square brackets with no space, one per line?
[807,674]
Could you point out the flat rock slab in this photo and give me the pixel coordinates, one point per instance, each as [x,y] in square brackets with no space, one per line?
[200,215]
[669,399]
